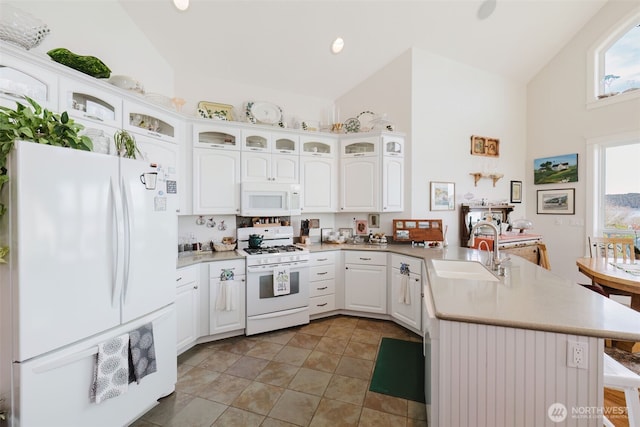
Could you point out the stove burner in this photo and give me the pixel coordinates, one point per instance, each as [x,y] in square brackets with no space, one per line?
[272,250]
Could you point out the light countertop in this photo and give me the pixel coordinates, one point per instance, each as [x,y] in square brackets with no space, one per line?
[528,296]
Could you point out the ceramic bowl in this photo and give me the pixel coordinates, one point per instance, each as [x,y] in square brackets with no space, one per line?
[126,82]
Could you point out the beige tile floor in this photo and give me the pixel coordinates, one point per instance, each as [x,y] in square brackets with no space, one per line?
[314,375]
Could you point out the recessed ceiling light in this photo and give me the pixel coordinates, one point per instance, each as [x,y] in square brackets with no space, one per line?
[337,45]
[181,4]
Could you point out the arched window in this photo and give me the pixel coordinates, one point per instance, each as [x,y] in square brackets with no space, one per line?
[614,63]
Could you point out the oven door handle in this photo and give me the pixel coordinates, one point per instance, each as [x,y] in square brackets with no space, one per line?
[279,313]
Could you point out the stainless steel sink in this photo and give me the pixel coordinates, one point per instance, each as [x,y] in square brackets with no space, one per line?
[465,270]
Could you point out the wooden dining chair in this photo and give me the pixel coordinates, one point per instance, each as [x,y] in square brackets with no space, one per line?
[617,248]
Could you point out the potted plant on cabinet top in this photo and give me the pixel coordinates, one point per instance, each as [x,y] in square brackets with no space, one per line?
[126,145]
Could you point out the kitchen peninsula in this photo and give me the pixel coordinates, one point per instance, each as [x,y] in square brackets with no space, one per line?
[498,348]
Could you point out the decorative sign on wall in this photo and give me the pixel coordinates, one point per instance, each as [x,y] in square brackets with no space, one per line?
[554,170]
[485,146]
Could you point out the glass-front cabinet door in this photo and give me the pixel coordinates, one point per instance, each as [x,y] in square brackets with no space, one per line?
[150,122]
[90,103]
[360,147]
[256,140]
[214,136]
[318,146]
[285,144]
[19,80]
[393,146]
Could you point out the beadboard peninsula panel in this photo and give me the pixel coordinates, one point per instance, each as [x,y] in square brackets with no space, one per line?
[497,376]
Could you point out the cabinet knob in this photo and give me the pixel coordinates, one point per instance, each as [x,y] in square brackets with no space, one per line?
[195,287]
[178,279]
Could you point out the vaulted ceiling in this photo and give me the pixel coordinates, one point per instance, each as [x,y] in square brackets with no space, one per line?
[285,45]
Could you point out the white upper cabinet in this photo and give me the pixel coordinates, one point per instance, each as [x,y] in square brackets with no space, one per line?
[372,173]
[392,174]
[319,174]
[216,181]
[90,103]
[20,79]
[270,156]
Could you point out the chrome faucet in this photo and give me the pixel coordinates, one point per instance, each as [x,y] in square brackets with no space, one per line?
[496,252]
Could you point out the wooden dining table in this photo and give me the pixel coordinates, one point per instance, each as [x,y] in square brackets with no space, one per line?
[615,281]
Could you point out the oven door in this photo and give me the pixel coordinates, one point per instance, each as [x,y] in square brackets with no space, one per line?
[260,290]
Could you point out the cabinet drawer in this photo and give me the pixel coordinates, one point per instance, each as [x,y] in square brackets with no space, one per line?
[186,275]
[365,257]
[415,264]
[322,272]
[322,287]
[322,304]
[322,258]
[235,265]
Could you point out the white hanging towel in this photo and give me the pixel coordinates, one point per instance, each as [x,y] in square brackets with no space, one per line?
[404,296]
[224,299]
[281,283]
[111,371]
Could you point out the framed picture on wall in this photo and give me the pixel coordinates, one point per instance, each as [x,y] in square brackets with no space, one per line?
[555,170]
[516,191]
[362,228]
[443,196]
[560,201]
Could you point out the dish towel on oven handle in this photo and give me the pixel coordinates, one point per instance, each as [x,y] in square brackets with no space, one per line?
[111,370]
[281,283]
[404,295]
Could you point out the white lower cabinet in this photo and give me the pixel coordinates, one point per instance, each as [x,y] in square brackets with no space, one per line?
[322,282]
[187,306]
[406,291]
[227,290]
[365,281]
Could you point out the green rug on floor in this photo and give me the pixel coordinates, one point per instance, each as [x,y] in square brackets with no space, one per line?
[399,370]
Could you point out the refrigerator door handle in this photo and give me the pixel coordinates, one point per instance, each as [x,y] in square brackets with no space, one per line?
[128,240]
[119,241]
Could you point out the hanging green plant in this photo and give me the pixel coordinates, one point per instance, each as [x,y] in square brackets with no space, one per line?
[33,123]
[126,145]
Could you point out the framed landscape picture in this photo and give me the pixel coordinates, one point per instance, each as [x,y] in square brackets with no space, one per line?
[557,202]
[443,196]
[555,170]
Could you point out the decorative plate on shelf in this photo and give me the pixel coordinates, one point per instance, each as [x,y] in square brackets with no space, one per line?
[351,125]
[263,112]
[213,110]
[366,120]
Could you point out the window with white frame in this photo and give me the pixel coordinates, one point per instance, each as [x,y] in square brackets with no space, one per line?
[616,187]
[614,63]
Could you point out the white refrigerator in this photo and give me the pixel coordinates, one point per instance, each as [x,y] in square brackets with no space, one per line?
[93,256]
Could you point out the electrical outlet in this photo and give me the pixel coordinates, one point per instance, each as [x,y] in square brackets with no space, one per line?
[577,354]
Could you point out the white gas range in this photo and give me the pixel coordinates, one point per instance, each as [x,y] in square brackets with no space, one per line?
[277,279]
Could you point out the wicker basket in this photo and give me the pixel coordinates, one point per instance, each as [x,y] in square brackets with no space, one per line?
[224,247]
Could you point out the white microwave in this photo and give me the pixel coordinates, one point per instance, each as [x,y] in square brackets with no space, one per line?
[270,199]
